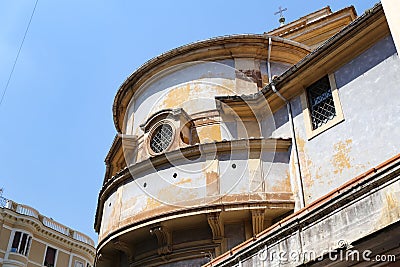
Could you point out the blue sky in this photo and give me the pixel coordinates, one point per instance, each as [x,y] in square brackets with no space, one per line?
[56,118]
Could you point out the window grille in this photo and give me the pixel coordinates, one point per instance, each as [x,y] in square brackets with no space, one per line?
[322,107]
[161,138]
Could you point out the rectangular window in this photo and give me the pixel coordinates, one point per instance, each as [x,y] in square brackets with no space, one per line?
[78,264]
[28,246]
[50,258]
[15,243]
[21,243]
[321,106]
[320,100]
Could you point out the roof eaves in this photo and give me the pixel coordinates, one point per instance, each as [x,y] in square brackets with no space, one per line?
[299,20]
[111,151]
[284,77]
[316,21]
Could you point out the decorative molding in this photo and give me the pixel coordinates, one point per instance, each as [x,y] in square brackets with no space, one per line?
[171,114]
[163,238]
[216,226]
[257,218]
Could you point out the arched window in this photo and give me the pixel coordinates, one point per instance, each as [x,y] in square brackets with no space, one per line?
[167,130]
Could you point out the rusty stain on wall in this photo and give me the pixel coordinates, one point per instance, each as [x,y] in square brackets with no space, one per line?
[256,180]
[305,163]
[183,181]
[152,203]
[283,184]
[129,203]
[341,158]
[389,209]
[176,97]
[292,172]
[175,195]
[212,183]
[318,176]
[115,212]
[392,207]
[209,133]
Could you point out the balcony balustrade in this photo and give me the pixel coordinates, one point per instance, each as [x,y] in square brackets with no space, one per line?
[47,222]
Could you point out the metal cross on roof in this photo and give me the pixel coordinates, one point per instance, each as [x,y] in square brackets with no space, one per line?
[281,18]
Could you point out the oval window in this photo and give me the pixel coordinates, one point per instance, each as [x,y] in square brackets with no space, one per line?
[161,138]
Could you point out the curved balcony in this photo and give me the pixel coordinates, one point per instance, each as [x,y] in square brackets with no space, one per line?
[45,221]
[15,260]
[234,176]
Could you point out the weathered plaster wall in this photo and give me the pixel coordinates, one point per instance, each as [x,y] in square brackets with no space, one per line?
[277,126]
[369,91]
[227,178]
[193,88]
[363,214]
[181,87]
[209,180]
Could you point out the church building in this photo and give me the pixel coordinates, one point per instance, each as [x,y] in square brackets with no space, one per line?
[259,150]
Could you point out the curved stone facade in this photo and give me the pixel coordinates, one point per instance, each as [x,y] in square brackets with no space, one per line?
[215,178]
[206,152]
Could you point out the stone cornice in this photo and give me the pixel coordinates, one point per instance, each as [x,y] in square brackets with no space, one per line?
[285,200]
[315,24]
[39,229]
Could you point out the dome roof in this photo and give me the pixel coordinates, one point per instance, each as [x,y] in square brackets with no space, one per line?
[218,48]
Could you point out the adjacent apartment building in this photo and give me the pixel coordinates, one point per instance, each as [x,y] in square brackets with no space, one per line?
[232,148]
[29,239]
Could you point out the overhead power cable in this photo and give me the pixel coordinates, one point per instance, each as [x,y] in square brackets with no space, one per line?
[19,51]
